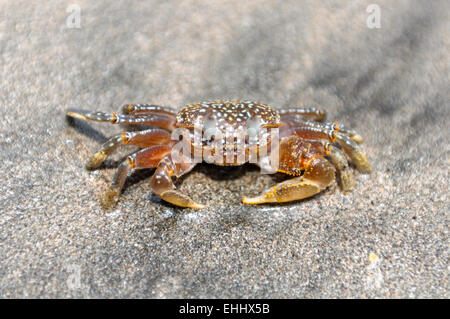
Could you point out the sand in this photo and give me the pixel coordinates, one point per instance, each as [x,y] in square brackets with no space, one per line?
[388,238]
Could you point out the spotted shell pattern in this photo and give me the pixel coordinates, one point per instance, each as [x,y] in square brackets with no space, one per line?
[234,114]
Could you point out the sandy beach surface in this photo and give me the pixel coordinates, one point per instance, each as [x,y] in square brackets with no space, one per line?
[388,238]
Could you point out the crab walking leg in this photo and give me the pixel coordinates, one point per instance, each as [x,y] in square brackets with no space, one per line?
[345,174]
[160,120]
[146,158]
[351,133]
[314,112]
[355,153]
[146,109]
[142,139]
[292,122]
[351,148]
[319,173]
[162,185]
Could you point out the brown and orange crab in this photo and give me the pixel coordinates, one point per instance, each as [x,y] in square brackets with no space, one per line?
[305,144]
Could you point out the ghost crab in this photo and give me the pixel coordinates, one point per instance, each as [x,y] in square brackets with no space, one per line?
[305,145]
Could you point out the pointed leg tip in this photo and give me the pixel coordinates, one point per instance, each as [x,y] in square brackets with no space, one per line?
[90,167]
[365,169]
[368,170]
[75,115]
[346,180]
[362,163]
[357,138]
[96,160]
[197,206]
[111,198]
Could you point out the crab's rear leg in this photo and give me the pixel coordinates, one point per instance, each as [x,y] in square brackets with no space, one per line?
[337,156]
[298,155]
[355,153]
[165,121]
[142,139]
[162,185]
[314,112]
[351,148]
[295,121]
[146,109]
[344,172]
[145,158]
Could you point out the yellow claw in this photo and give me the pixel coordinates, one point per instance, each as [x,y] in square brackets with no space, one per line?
[290,190]
[264,198]
[180,199]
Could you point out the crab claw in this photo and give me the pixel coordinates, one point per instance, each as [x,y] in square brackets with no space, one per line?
[180,199]
[162,185]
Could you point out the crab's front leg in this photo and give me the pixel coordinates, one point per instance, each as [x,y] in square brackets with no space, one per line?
[145,158]
[162,185]
[296,156]
[143,139]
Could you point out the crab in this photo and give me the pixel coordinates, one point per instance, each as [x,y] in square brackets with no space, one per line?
[313,152]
